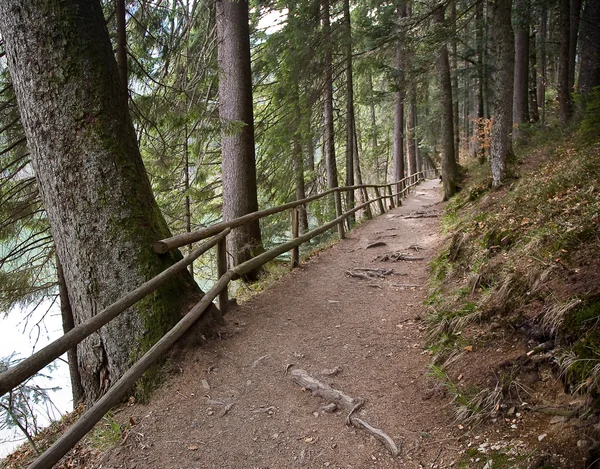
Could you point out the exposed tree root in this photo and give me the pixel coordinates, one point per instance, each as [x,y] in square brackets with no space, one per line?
[345,402]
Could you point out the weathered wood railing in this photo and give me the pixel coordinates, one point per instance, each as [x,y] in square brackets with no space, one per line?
[28,367]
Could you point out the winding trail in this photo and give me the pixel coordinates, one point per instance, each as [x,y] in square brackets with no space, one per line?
[232,405]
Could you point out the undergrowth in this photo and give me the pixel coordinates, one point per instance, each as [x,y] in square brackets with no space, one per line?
[525,258]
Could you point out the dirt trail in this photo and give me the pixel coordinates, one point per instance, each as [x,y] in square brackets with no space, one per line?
[233,406]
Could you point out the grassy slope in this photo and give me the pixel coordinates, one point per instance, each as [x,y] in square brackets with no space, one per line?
[521,266]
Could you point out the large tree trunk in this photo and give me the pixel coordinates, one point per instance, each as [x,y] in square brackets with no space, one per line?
[565,106]
[589,75]
[399,108]
[449,167]
[503,43]
[97,195]
[454,75]
[237,131]
[329,142]
[350,114]
[521,76]
[479,128]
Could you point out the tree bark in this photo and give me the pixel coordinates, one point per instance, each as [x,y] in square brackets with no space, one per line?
[68,323]
[541,58]
[503,43]
[399,169]
[94,187]
[350,115]
[237,130]
[454,75]
[589,75]
[575,11]
[122,46]
[534,112]
[478,129]
[521,75]
[329,142]
[411,126]
[565,106]
[449,168]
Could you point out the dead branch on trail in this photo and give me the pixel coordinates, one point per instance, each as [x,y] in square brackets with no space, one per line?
[368,273]
[345,402]
[398,256]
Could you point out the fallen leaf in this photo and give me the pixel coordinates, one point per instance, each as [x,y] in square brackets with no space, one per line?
[469,348]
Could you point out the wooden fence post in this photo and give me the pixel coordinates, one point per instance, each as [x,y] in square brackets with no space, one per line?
[338,213]
[379,201]
[368,212]
[296,250]
[390,196]
[221,270]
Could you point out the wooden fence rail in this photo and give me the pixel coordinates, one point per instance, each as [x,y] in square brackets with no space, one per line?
[20,372]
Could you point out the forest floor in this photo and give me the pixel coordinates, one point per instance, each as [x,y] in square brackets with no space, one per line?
[232,403]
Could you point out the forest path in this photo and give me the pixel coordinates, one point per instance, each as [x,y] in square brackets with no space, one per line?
[232,404]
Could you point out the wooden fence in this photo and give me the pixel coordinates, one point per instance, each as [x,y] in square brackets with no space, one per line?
[390,195]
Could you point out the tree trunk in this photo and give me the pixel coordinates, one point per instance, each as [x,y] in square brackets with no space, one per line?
[374,144]
[237,131]
[565,106]
[479,128]
[541,57]
[449,169]
[350,115]
[68,323]
[329,142]
[575,11]
[122,46]
[298,163]
[94,187]
[412,124]
[503,43]
[454,75]
[399,108]
[534,113]
[589,75]
[521,75]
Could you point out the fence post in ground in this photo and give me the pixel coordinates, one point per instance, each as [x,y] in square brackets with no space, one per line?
[390,196]
[221,270]
[296,249]
[379,201]
[338,213]
[368,212]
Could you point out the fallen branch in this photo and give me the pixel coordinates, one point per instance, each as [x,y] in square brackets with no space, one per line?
[345,402]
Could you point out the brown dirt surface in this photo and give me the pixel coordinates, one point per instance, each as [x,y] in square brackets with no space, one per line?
[234,405]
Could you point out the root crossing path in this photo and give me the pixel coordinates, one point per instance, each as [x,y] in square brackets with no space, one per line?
[350,318]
